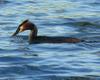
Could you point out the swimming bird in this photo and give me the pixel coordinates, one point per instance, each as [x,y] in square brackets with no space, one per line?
[34,38]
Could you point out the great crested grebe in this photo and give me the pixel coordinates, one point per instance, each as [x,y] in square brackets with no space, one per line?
[34,38]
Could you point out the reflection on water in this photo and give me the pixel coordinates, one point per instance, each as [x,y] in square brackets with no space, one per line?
[19,60]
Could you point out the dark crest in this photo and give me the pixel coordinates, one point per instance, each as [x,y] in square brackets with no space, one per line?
[17,31]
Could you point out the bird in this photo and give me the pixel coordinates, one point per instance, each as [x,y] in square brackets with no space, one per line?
[34,38]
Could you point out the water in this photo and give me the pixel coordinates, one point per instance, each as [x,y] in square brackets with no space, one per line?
[71,18]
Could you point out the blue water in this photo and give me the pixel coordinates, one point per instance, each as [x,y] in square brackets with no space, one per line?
[71,18]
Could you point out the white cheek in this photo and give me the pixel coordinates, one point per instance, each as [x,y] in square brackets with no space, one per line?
[21,28]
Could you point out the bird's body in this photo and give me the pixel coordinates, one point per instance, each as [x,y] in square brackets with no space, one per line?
[34,38]
[55,39]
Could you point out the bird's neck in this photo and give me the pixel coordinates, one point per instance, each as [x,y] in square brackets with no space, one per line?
[33,35]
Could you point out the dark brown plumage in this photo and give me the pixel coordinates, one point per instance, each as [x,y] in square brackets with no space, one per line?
[34,38]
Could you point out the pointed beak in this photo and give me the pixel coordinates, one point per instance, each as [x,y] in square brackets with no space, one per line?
[20,28]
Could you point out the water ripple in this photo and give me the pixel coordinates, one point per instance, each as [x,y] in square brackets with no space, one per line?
[21,61]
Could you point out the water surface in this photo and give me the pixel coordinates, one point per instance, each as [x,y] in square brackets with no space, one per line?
[70,18]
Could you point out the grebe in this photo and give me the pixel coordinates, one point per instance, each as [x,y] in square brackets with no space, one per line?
[34,38]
